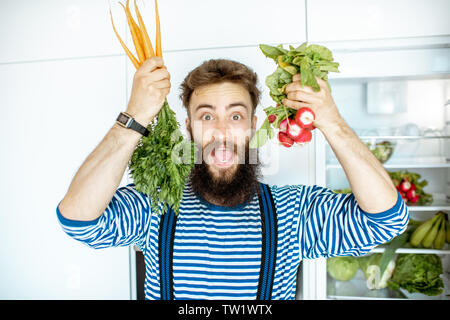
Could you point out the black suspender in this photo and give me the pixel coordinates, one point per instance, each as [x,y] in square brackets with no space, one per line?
[269,243]
[268,249]
[166,239]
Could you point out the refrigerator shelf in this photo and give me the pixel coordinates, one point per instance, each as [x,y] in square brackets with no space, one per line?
[402,137]
[401,165]
[434,207]
[413,250]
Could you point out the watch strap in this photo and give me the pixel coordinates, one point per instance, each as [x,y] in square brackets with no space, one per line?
[127,121]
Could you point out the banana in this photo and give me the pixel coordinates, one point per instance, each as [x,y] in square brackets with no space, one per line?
[447,232]
[419,234]
[440,237]
[431,235]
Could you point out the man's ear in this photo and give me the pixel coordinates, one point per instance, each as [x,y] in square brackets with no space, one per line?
[188,128]
[255,120]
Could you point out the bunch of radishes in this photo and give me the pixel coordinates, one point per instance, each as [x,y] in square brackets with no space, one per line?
[407,190]
[295,129]
[411,187]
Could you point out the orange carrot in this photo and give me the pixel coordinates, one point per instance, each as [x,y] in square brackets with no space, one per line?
[147,44]
[127,51]
[134,35]
[158,33]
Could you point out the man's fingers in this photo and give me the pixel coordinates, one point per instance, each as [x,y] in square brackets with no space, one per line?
[295,104]
[301,96]
[151,64]
[162,84]
[159,74]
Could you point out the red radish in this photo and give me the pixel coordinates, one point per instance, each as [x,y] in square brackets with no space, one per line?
[283,125]
[304,137]
[294,130]
[284,139]
[413,187]
[411,194]
[272,118]
[305,118]
[405,185]
[415,199]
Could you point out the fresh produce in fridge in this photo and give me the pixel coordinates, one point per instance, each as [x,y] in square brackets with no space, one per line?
[418,273]
[375,277]
[439,241]
[155,164]
[426,233]
[310,61]
[411,187]
[342,268]
[381,150]
[447,231]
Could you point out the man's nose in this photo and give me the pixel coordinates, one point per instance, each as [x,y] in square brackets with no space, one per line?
[221,131]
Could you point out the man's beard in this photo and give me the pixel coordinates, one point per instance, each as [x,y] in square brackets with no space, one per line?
[235,185]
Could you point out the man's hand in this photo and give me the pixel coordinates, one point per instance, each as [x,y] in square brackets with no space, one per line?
[151,85]
[320,102]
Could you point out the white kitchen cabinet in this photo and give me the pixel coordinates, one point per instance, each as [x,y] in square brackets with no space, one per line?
[57,112]
[344,20]
[198,24]
[56,29]
[50,29]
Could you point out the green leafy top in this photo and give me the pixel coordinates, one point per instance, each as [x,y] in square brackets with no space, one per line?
[162,162]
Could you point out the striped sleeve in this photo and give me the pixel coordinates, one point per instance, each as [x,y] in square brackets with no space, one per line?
[332,224]
[121,224]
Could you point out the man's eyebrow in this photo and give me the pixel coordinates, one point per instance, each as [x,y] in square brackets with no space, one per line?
[234,104]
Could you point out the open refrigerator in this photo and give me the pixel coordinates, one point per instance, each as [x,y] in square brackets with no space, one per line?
[397,100]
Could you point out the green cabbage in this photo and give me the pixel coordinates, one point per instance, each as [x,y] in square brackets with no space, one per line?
[342,268]
[418,273]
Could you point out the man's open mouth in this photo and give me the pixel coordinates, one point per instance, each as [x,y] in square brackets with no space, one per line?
[222,157]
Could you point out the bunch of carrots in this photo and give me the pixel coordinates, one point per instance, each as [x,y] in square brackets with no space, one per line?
[157,167]
[141,40]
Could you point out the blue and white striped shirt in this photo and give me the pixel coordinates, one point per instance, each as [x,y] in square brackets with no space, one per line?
[217,250]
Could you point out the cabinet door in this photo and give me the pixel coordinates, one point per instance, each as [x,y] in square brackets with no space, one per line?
[330,20]
[206,24]
[56,114]
[49,29]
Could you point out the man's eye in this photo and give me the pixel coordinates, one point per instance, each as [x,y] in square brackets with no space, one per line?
[206,117]
[236,117]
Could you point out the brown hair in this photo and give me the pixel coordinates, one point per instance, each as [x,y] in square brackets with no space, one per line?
[220,70]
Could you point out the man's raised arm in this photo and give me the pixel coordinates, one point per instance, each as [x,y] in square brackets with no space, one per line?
[98,178]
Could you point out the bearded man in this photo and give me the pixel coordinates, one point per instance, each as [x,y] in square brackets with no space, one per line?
[234,237]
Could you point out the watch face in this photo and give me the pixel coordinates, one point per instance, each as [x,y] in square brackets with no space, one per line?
[122,118]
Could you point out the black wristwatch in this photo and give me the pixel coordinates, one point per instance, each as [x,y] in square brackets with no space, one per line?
[126,120]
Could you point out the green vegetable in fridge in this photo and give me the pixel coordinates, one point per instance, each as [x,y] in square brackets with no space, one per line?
[377,275]
[418,273]
[342,268]
[381,150]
